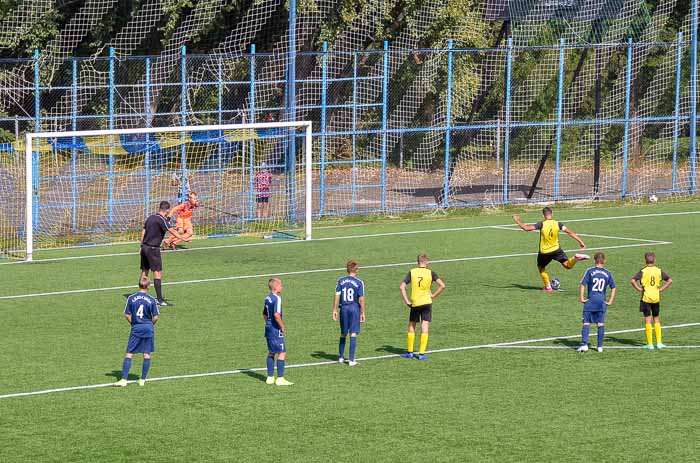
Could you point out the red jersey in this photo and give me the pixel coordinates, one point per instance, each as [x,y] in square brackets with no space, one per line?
[262,183]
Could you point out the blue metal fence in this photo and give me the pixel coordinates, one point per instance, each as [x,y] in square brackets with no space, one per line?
[364,125]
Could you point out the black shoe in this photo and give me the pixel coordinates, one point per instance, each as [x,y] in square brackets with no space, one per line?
[164,303]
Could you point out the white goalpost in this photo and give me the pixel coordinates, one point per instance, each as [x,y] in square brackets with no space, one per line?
[96,187]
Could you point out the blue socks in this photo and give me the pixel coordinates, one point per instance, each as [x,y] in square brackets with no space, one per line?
[353,346]
[145,368]
[270,366]
[126,366]
[280,368]
[341,347]
[601,335]
[585,331]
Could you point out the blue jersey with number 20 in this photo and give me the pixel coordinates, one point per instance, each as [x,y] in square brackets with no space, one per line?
[597,280]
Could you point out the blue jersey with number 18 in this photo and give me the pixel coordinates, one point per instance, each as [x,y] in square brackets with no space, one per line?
[597,280]
[350,289]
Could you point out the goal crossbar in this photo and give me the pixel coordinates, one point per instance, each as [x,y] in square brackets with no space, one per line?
[31,137]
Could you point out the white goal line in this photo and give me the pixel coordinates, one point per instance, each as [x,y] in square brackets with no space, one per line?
[333,362]
[324,270]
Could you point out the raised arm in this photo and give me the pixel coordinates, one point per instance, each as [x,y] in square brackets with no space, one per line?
[575,236]
[524,227]
[175,210]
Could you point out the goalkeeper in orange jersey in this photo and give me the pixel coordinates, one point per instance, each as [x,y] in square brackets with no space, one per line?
[184,221]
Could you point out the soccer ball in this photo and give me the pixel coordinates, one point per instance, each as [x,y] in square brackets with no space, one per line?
[555,283]
[653,199]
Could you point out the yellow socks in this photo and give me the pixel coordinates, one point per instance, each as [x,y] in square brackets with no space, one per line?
[647,328]
[545,278]
[410,339]
[423,343]
[657,329]
[571,262]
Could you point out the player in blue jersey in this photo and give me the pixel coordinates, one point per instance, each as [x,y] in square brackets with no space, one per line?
[141,312]
[596,280]
[350,296]
[274,333]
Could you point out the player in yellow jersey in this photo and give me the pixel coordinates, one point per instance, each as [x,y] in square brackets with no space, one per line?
[421,279]
[650,282]
[549,245]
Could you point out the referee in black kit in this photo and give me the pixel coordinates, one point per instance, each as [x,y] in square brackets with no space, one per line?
[154,230]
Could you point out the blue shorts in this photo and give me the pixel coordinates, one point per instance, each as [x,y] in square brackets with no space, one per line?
[138,345]
[275,343]
[594,317]
[349,321]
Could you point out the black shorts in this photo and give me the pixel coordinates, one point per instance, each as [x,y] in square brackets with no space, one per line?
[421,313]
[649,309]
[262,199]
[150,258]
[543,260]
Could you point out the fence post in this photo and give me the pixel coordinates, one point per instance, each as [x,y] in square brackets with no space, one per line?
[147,154]
[693,90]
[625,142]
[676,111]
[33,160]
[385,113]
[560,108]
[506,141]
[353,175]
[74,153]
[291,110]
[219,120]
[324,96]
[110,178]
[183,122]
[448,125]
[251,142]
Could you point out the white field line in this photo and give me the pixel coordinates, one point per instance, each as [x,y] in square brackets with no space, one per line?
[332,362]
[606,347]
[588,235]
[305,272]
[335,238]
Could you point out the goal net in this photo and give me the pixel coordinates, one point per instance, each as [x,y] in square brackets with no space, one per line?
[97,187]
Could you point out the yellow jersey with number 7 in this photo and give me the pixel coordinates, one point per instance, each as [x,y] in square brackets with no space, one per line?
[421,280]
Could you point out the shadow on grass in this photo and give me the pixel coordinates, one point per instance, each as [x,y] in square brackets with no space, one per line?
[391,349]
[626,342]
[324,355]
[254,374]
[568,342]
[515,286]
[118,375]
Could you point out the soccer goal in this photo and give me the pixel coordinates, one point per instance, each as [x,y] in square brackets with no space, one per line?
[97,186]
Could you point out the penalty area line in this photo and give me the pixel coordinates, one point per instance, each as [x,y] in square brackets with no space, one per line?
[323,270]
[511,344]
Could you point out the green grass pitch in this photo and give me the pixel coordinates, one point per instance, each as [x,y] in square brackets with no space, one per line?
[537,401]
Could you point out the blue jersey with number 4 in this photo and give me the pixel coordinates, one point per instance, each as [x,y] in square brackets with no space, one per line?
[350,289]
[597,281]
[142,309]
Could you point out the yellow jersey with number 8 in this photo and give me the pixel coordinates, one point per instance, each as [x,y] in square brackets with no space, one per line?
[421,280]
[651,279]
[549,235]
